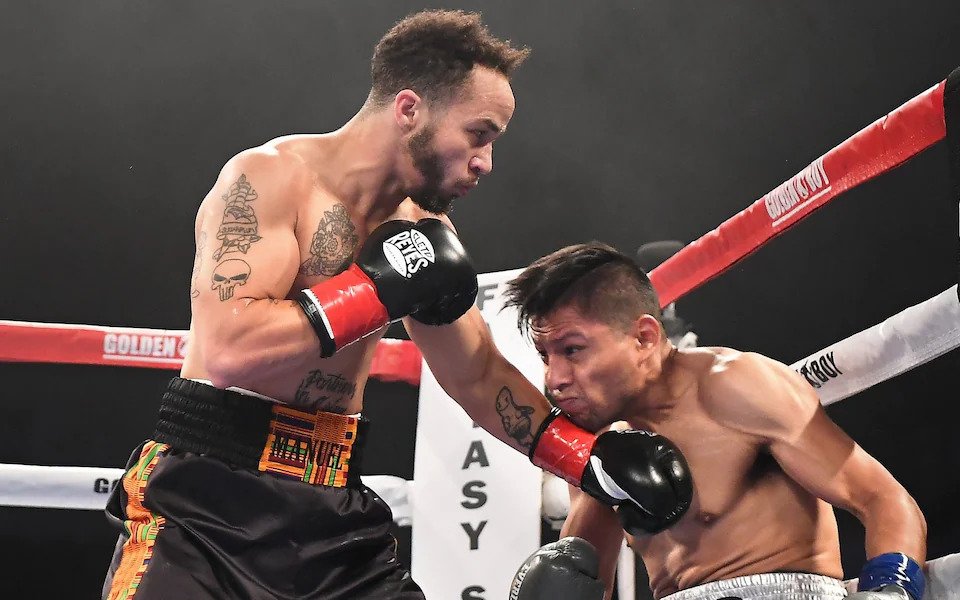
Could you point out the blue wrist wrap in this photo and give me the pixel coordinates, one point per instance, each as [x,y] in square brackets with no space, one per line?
[892,568]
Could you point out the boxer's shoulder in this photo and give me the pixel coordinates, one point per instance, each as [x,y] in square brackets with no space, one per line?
[280,164]
[270,182]
[753,393]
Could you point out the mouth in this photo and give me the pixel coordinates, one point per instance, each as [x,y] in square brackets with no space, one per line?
[464,188]
[572,406]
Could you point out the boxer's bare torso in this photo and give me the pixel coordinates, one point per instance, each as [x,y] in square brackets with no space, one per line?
[747,515]
[273,225]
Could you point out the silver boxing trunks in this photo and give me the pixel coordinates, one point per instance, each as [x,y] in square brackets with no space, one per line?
[766,586]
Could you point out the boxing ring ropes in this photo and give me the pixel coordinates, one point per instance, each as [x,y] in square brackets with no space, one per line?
[901,342]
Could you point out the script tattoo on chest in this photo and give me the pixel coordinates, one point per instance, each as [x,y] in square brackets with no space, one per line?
[330,392]
[333,244]
[238,230]
[515,418]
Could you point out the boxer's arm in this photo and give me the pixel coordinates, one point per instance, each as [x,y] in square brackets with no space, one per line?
[598,524]
[472,371]
[247,261]
[773,402]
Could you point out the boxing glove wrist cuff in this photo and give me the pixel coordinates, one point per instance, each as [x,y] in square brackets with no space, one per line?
[343,309]
[562,448]
[892,568]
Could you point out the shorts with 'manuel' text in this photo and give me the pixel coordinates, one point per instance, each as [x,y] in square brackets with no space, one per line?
[235,497]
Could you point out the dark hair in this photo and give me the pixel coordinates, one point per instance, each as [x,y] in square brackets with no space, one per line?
[433,51]
[604,284]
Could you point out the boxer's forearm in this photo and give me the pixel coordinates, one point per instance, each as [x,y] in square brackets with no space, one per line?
[256,338]
[506,404]
[893,523]
[503,402]
[598,524]
[470,369]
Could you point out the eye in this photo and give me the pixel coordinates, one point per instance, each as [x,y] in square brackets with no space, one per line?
[478,134]
[572,350]
[543,356]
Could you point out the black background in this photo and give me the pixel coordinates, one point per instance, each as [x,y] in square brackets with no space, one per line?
[636,121]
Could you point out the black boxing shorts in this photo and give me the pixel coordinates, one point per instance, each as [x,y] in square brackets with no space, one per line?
[235,497]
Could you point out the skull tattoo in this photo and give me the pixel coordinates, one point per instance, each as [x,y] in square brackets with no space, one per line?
[228,275]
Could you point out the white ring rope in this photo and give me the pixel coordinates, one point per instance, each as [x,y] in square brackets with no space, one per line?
[87,488]
[906,340]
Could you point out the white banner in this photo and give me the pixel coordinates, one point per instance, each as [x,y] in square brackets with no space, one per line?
[906,340]
[476,501]
[87,488]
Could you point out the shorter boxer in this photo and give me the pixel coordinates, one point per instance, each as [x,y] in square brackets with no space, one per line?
[767,463]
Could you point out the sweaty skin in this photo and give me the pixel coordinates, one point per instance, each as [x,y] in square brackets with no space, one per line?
[767,463]
[292,213]
[747,515]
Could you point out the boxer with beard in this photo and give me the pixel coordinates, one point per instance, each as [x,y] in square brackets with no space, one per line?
[249,486]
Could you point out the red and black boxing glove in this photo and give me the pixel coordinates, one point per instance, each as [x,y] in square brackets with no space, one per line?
[404,268]
[643,474]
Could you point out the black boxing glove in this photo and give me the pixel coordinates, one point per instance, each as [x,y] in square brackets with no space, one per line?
[402,268]
[460,284]
[641,473]
[567,568]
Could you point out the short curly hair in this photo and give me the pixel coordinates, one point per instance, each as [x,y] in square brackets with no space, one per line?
[433,51]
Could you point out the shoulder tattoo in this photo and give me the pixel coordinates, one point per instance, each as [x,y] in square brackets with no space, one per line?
[238,230]
[333,244]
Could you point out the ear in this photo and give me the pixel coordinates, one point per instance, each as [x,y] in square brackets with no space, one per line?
[648,332]
[407,109]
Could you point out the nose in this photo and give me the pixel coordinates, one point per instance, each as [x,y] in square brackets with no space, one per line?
[482,162]
[557,377]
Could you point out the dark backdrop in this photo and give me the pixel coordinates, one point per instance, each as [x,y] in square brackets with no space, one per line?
[636,121]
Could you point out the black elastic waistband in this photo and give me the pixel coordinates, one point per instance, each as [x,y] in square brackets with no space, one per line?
[223,424]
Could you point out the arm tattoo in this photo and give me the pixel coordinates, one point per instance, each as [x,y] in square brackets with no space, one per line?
[325,391]
[228,275]
[331,249]
[515,418]
[197,261]
[239,226]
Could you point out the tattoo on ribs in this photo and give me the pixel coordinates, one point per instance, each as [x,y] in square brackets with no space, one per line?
[197,261]
[515,418]
[228,275]
[238,230]
[325,391]
[332,246]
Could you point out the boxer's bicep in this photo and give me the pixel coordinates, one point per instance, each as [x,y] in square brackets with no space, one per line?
[769,400]
[833,467]
[598,524]
[246,263]
[246,246]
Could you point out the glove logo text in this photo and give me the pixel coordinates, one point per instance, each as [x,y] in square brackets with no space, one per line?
[408,252]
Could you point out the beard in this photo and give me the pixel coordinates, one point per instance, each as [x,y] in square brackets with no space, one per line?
[430,166]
